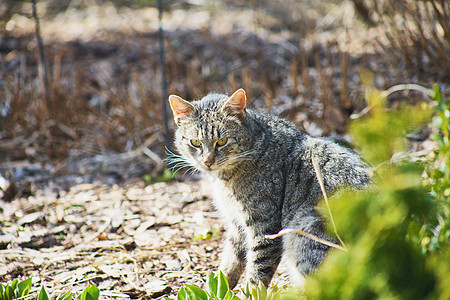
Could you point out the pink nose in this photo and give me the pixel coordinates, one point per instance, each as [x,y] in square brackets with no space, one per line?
[208,163]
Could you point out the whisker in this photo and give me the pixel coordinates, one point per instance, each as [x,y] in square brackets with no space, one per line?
[178,162]
[182,165]
[190,172]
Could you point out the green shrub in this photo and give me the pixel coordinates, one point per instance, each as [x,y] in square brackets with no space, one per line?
[396,231]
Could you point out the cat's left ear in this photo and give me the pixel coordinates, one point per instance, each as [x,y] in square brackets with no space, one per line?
[180,108]
[236,104]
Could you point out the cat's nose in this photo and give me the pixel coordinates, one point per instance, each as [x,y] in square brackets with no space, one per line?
[208,159]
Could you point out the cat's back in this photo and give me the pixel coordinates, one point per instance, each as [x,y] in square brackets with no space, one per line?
[274,137]
[287,153]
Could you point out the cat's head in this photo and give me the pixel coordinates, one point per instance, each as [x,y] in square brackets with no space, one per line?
[211,134]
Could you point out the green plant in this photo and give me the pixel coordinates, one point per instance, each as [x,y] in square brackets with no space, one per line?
[16,289]
[21,289]
[263,293]
[435,234]
[167,175]
[386,257]
[212,233]
[91,292]
[217,288]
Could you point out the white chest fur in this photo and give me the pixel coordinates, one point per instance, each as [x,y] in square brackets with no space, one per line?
[225,201]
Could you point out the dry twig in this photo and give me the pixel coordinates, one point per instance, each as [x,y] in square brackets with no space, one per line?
[308,235]
[390,91]
[43,61]
[322,187]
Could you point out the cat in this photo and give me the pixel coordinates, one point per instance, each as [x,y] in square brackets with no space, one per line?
[263,181]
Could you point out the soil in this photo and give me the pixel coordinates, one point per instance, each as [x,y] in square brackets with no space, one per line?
[132,241]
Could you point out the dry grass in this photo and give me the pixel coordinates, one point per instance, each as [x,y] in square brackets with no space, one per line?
[104,96]
[417,33]
[132,242]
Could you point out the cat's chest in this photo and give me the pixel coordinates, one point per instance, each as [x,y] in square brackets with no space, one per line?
[226,202]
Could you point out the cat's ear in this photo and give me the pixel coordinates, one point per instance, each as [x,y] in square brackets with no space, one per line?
[180,108]
[236,104]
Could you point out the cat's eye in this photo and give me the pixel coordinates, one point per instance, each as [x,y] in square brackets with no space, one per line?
[222,141]
[196,143]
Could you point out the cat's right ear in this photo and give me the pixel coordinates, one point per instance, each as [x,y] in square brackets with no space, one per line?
[180,108]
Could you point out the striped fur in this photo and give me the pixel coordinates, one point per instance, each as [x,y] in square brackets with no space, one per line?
[262,181]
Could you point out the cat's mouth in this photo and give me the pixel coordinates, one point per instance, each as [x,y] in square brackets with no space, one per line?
[211,168]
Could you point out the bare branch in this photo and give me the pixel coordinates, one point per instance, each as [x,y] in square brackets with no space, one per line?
[42,58]
[320,179]
[305,234]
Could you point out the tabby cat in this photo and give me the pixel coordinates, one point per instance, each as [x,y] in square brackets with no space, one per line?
[263,180]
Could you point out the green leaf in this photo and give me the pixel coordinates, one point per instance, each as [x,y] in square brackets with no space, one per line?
[436,93]
[254,294]
[199,293]
[2,291]
[246,291]
[190,295]
[90,293]
[14,284]
[182,295]
[202,236]
[272,293]
[66,296]
[211,282]
[147,178]
[222,286]
[43,295]
[8,293]
[261,291]
[24,287]
[229,295]
[167,175]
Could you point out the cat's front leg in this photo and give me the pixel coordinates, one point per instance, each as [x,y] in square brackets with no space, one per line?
[263,257]
[233,255]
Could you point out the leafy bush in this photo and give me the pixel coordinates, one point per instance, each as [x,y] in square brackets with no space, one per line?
[396,231]
[436,233]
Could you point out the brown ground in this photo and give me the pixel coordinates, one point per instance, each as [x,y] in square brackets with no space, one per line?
[132,241]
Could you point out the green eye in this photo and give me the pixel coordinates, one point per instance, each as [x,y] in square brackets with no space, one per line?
[222,141]
[196,143]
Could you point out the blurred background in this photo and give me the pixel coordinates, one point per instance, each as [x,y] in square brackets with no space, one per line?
[89,103]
